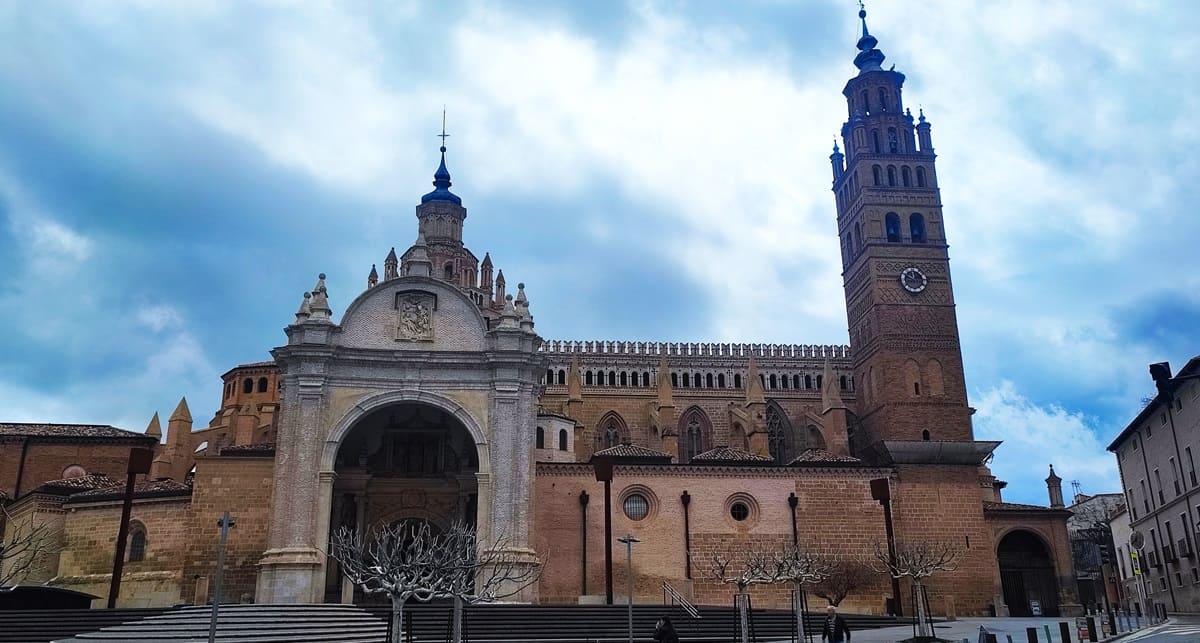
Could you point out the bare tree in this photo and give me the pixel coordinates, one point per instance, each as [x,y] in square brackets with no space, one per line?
[800,568]
[917,561]
[758,569]
[409,561]
[25,548]
[845,576]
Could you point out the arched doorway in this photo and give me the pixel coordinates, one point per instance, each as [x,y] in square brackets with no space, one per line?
[403,463]
[1027,574]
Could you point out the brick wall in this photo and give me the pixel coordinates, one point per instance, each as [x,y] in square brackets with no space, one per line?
[45,462]
[241,486]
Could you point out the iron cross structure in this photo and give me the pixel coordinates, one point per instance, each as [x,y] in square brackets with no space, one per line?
[225,523]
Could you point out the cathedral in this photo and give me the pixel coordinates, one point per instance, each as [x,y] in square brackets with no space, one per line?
[430,396]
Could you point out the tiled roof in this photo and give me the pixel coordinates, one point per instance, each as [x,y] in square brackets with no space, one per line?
[148,489]
[821,456]
[68,486]
[249,450]
[1016,506]
[630,451]
[730,454]
[33,429]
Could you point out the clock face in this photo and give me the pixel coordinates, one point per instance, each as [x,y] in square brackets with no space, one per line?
[913,280]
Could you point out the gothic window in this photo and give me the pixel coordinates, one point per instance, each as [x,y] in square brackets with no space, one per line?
[540,440]
[587,378]
[247,385]
[737,380]
[720,380]
[891,222]
[693,433]
[137,544]
[891,176]
[624,378]
[612,431]
[920,176]
[808,381]
[893,141]
[916,226]
[562,439]
[780,441]
[549,376]
[697,381]
[906,176]
[708,380]
[875,141]
[882,100]
[877,174]
[562,377]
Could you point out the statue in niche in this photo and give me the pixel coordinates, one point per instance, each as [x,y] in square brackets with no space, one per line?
[415,320]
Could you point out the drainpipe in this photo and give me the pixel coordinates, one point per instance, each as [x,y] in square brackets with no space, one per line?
[583,503]
[687,534]
[793,502]
[21,467]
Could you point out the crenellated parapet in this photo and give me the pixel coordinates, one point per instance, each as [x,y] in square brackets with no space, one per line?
[698,349]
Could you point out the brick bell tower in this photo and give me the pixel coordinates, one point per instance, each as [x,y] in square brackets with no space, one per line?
[895,266]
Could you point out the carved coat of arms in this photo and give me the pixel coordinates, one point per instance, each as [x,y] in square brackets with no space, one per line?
[415,318]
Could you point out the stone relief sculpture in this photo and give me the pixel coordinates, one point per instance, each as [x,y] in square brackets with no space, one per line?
[415,319]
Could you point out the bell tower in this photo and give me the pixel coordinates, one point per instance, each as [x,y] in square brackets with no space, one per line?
[895,266]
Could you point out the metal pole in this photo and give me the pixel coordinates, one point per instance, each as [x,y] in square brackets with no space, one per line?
[224,523]
[608,588]
[687,535]
[628,539]
[891,540]
[583,503]
[139,462]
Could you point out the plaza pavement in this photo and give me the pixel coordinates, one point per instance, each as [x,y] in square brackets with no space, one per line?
[968,628]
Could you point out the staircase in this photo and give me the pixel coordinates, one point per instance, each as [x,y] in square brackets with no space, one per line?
[39,626]
[249,624]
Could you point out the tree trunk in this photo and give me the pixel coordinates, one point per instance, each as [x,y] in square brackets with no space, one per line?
[924,627]
[397,620]
[798,608]
[458,620]
[743,603]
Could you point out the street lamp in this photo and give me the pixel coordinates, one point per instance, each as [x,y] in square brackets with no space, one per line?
[628,540]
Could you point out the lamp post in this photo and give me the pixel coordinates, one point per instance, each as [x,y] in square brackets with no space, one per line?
[628,540]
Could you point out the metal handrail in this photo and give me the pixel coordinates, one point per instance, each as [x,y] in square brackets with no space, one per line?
[676,597]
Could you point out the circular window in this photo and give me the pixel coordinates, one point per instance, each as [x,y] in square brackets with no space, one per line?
[636,506]
[739,511]
[74,471]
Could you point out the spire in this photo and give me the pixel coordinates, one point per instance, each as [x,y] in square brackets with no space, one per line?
[754,387]
[305,310]
[1054,488]
[487,260]
[319,306]
[390,270]
[416,260]
[181,413]
[373,277]
[509,318]
[831,397]
[665,391]
[522,306]
[441,178]
[868,58]
[154,429]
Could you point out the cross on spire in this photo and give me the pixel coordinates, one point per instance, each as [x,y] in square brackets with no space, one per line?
[443,135]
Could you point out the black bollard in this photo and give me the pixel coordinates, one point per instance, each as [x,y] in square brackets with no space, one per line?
[1031,634]
[1064,631]
[1091,627]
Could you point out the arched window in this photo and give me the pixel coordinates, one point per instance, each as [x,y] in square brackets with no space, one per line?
[708,380]
[808,381]
[697,381]
[587,378]
[562,439]
[694,431]
[912,374]
[549,376]
[720,380]
[843,383]
[611,431]
[774,381]
[783,381]
[228,390]
[925,435]
[624,378]
[795,381]
[137,543]
[877,174]
[820,380]
[645,378]
[540,440]
[891,223]
[674,380]
[448,270]
[687,380]
[780,440]
[906,176]
[866,104]
[737,380]
[262,385]
[891,176]
[875,141]
[562,377]
[247,385]
[612,378]
[916,227]
[893,141]
[920,176]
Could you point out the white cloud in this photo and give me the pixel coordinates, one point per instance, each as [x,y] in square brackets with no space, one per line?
[1057,436]
[158,317]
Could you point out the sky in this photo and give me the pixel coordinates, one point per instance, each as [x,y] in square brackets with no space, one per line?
[173,176]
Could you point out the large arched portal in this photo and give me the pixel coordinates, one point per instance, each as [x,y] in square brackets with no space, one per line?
[1027,574]
[406,462]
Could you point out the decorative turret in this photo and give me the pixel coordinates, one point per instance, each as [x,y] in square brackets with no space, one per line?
[834,415]
[391,265]
[441,183]
[522,305]
[923,137]
[416,259]
[836,160]
[154,429]
[756,412]
[1054,487]
[319,309]
[485,274]
[868,58]
[510,318]
[177,452]
[305,310]
[373,277]
[500,288]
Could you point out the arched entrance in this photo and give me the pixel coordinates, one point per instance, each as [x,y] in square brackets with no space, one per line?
[404,462]
[1027,574]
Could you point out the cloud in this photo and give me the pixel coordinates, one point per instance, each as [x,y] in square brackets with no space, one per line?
[1068,440]
[158,318]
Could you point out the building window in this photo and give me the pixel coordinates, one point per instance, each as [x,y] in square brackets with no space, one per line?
[916,225]
[893,141]
[925,435]
[843,383]
[73,471]
[708,380]
[774,382]
[906,176]
[877,174]
[612,378]
[562,377]
[247,385]
[262,385]
[645,378]
[624,378]
[866,105]
[875,141]
[808,381]
[540,440]
[737,380]
[891,222]
[448,271]
[882,100]
[562,439]
[739,511]
[137,544]
[920,177]
[587,378]
[891,173]
[636,506]
[720,380]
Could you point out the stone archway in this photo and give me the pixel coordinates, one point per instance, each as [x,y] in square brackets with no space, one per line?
[1027,574]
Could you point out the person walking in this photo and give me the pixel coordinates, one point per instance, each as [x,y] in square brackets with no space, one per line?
[664,631]
[835,629]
